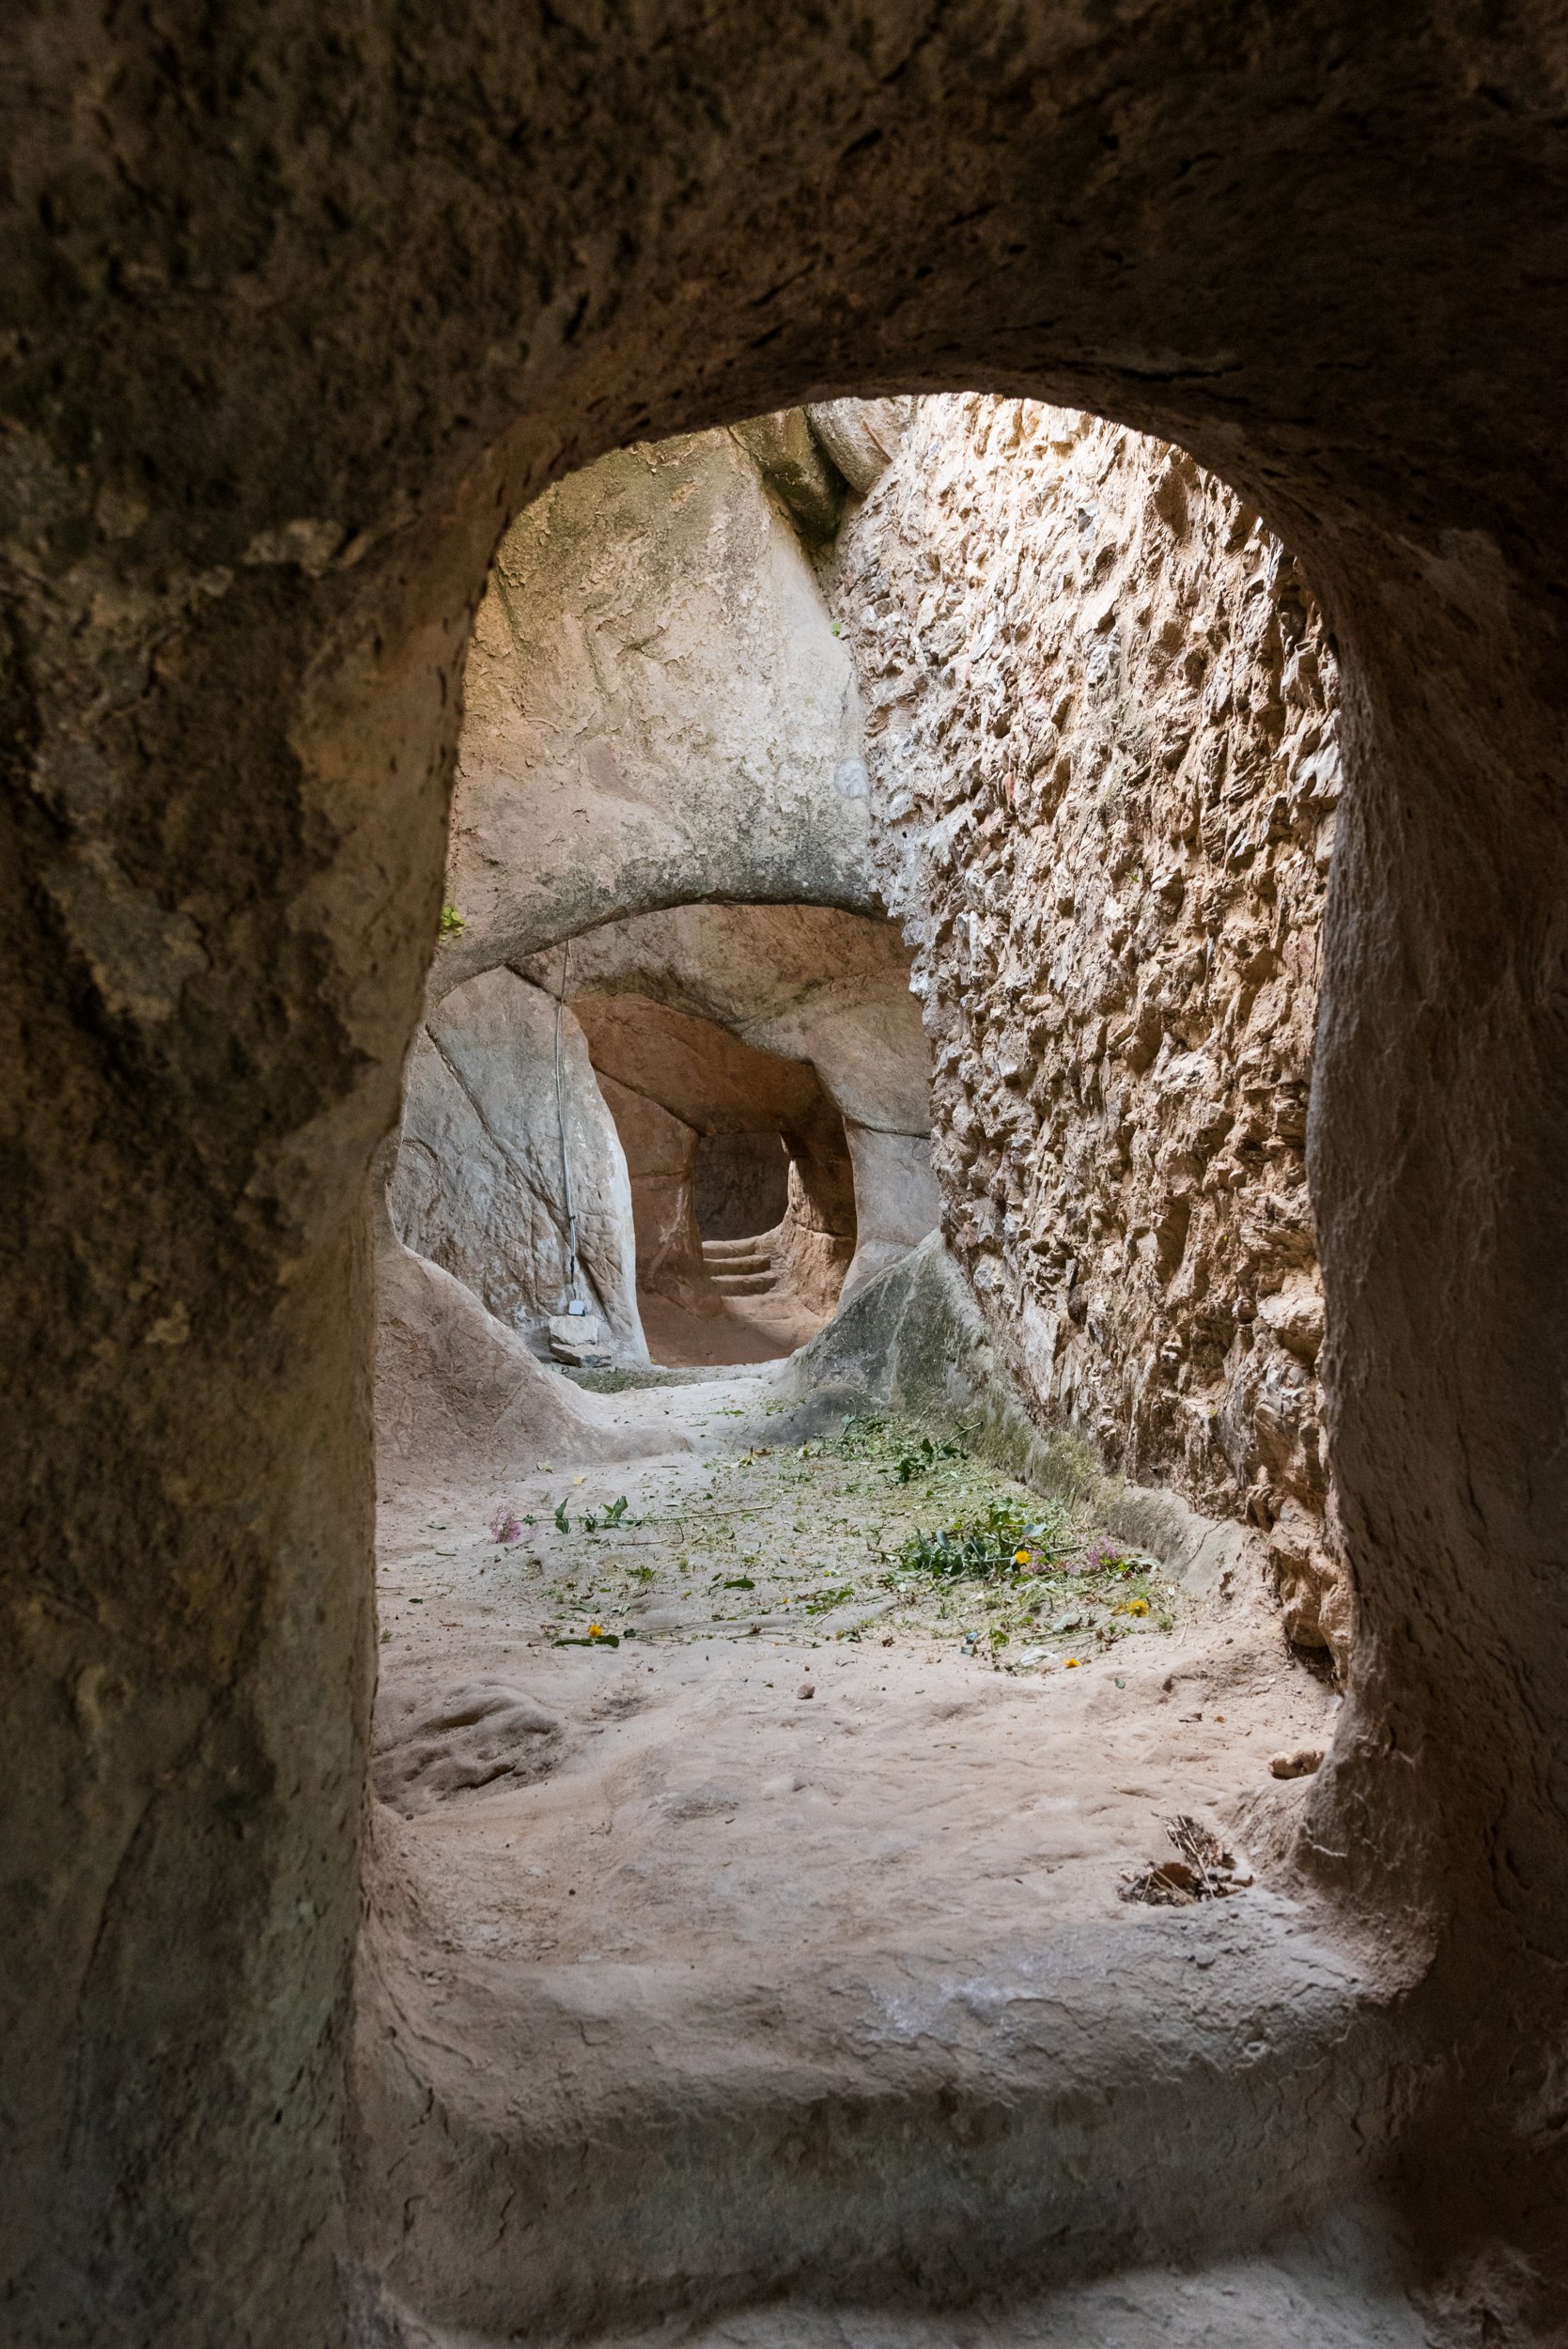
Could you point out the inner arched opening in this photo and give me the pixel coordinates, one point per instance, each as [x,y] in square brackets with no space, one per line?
[743,1195]
[851,1233]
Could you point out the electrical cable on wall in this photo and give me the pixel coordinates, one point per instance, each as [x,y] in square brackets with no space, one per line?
[573,1303]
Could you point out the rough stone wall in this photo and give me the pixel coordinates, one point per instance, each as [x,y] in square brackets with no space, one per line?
[739,1186]
[1101,730]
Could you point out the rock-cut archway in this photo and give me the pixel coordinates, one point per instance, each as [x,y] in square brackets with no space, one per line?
[300,324]
[743,1192]
[549,1141]
[659,706]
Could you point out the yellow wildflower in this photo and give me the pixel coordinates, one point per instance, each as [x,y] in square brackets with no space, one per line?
[1020,1557]
[1071,1664]
[596,1631]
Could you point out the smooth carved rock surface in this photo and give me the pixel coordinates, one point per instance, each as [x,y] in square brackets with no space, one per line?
[861,436]
[715,1083]
[896,1198]
[1102,729]
[705,1074]
[460,1400]
[656,709]
[661,1155]
[810,984]
[479,1183]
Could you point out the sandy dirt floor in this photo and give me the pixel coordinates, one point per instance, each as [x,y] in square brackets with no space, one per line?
[780,1946]
[681,1791]
[743,1330]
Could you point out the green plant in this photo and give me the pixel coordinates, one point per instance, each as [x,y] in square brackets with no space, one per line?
[921,1457]
[450,922]
[823,1601]
[909,1451]
[1003,1539]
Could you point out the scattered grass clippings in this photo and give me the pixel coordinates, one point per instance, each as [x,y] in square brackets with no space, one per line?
[885,1530]
[894,1527]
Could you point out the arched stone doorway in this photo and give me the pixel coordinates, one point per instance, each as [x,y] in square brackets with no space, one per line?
[258,470]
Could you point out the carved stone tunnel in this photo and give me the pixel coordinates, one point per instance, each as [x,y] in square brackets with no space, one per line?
[297,326]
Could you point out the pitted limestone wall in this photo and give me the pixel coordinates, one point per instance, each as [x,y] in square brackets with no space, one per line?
[1102,735]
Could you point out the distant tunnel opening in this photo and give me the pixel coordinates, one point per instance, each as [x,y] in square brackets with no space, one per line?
[742,1184]
[739,1184]
[698,1129]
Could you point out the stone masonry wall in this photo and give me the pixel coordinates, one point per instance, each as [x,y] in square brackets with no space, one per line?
[1101,730]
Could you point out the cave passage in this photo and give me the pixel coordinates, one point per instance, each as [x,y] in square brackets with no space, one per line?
[619,1178]
[755,1944]
[926,1505]
[742,1189]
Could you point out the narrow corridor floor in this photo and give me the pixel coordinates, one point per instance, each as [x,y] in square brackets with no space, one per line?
[779,1948]
[702,1703]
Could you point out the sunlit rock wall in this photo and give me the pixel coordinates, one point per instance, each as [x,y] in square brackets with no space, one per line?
[656,712]
[1102,739]
[490,1135]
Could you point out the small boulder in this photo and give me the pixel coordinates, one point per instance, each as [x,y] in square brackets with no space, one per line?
[578,1340]
[861,436]
[1299,1763]
[429,1744]
[1295,1316]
